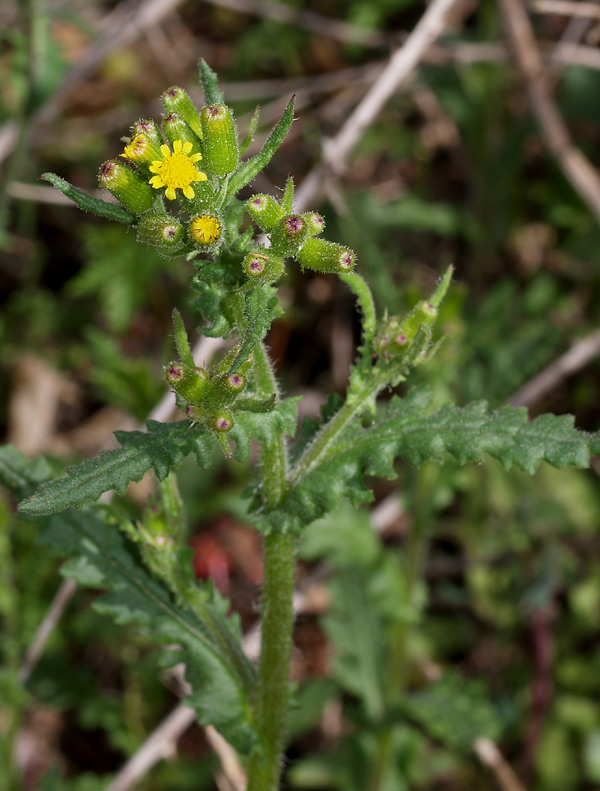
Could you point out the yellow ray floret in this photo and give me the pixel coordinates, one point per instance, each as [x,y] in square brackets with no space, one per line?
[206,229]
[177,170]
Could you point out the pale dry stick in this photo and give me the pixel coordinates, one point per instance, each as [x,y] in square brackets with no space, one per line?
[399,69]
[571,37]
[491,757]
[565,8]
[123,25]
[158,745]
[345,32]
[204,349]
[578,356]
[576,168]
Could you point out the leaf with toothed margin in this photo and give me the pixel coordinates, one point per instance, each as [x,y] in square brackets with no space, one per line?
[101,556]
[407,430]
[264,426]
[161,449]
[88,202]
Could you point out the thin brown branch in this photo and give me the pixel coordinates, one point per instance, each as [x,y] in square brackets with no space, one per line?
[126,23]
[491,757]
[576,168]
[398,72]
[566,8]
[345,32]
[160,744]
[578,356]
[59,603]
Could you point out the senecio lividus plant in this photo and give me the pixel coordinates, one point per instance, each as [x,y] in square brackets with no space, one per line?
[177,184]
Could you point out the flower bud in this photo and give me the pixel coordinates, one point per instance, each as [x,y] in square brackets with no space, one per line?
[161,231]
[324,256]
[142,149]
[316,224]
[128,187]
[222,420]
[220,142]
[189,383]
[223,389]
[263,265]
[206,230]
[175,128]
[176,100]
[289,235]
[265,211]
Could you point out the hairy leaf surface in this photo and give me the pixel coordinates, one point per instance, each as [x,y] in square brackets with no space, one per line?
[102,557]
[88,202]
[407,431]
[161,449]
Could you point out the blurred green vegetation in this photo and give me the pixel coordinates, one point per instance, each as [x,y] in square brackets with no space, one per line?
[491,579]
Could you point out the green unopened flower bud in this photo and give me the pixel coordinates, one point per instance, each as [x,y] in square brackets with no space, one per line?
[176,100]
[129,188]
[161,231]
[265,211]
[289,235]
[323,256]
[316,224]
[142,149]
[189,383]
[175,128]
[223,389]
[206,230]
[263,265]
[220,141]
[222,420]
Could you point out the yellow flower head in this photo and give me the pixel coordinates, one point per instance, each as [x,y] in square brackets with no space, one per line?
[206,229]
[177,170]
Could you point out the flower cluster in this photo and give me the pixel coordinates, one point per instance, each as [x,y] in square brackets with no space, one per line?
[179,180]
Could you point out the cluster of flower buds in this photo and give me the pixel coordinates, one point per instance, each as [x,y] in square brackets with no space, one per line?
[212,397]
[398,335]
[207,398]
[186,159]
[292,236]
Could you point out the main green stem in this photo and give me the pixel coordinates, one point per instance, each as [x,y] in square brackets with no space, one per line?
[272,701]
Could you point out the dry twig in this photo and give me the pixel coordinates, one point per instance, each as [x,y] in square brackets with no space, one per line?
[491,757]
[160,744]
[578,356]
[345,32]
[577,169]
[398,71]
[572,8]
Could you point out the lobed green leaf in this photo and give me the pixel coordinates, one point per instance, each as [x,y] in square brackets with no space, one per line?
[101,556]
[162,449]
[88,202]
[407,431]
